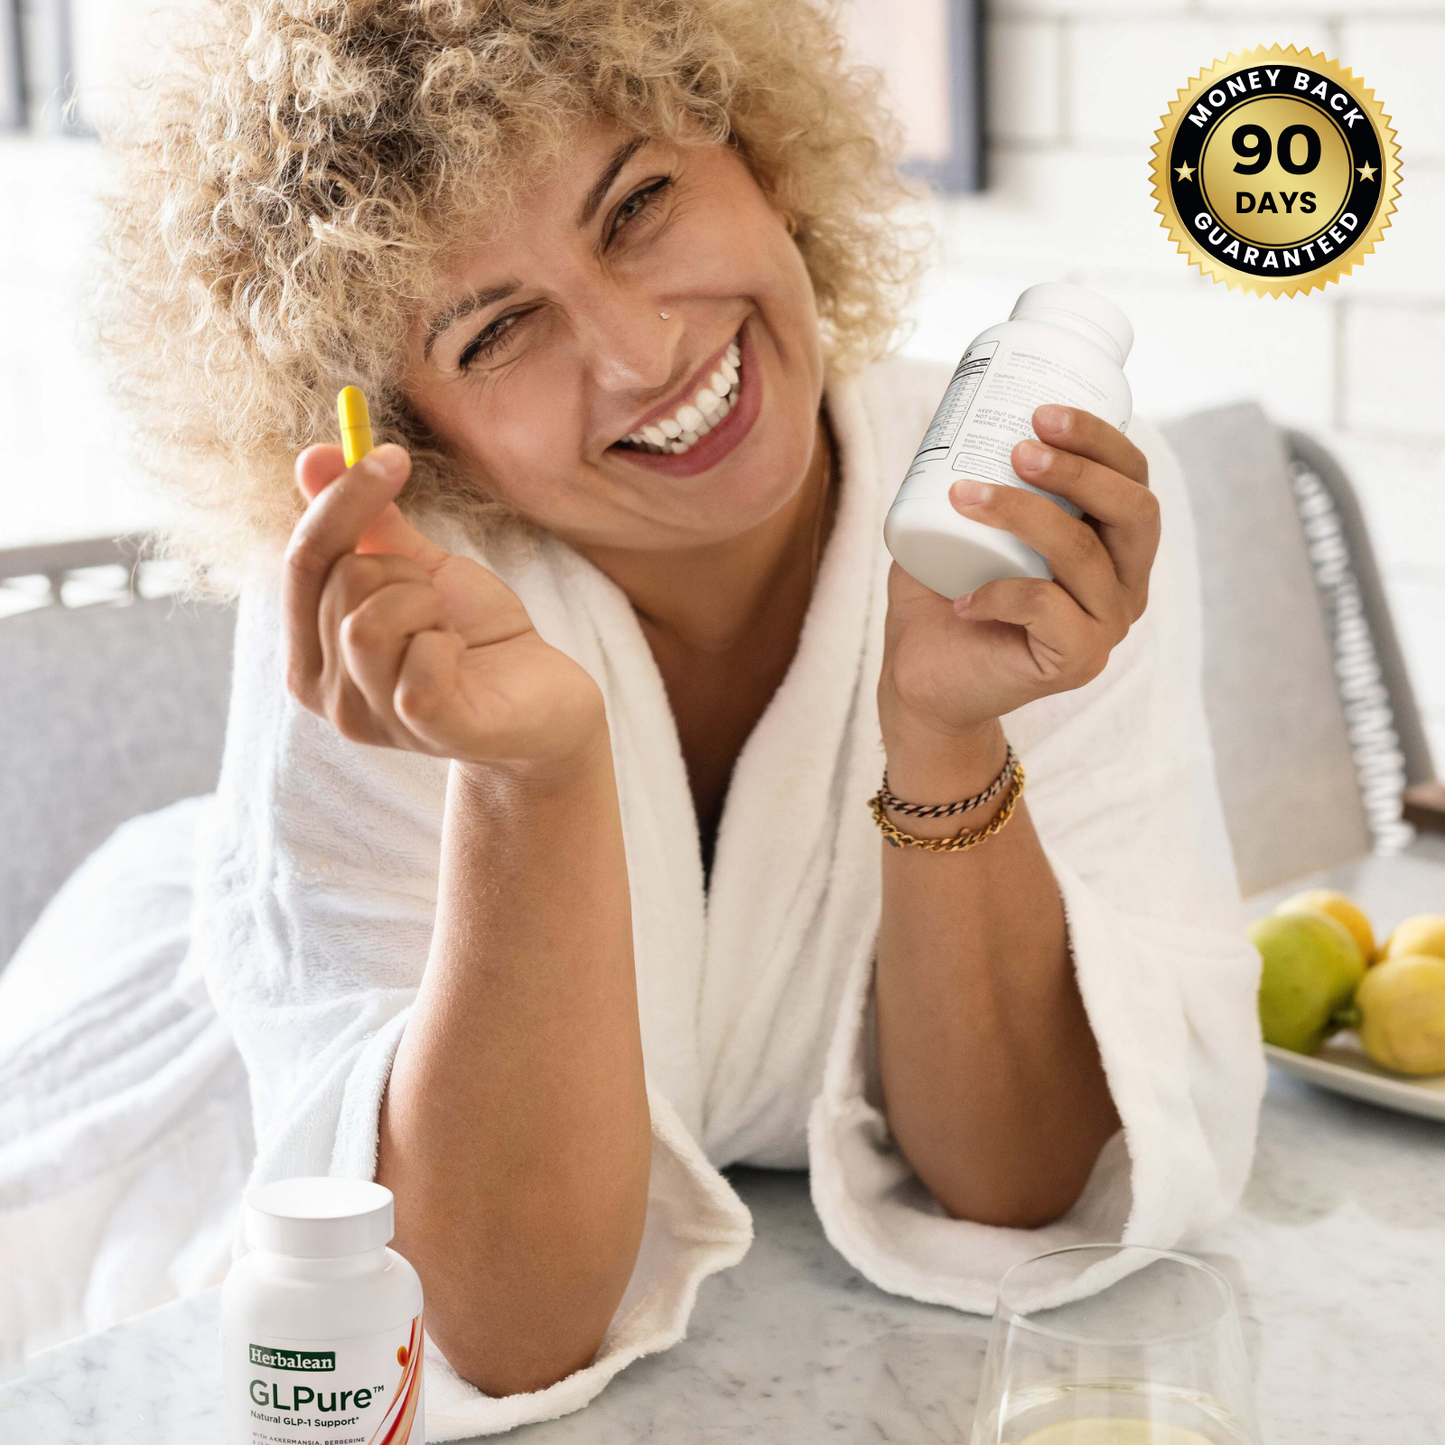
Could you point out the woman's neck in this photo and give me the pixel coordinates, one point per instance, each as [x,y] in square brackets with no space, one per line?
[708,600]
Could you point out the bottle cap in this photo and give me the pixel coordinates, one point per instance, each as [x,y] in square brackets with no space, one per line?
[319,1217]
[1070,305]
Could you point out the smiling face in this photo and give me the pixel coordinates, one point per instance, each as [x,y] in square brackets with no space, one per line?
[549,370]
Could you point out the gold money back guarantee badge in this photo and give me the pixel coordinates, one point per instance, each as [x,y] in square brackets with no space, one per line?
[1276,171]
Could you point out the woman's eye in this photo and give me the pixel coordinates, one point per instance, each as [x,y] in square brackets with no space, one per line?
[489,340]
[638,203]
[495,336]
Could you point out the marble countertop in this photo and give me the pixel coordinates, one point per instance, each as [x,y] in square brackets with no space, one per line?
[1337,1255]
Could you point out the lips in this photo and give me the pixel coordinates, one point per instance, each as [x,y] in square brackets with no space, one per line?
[724,436]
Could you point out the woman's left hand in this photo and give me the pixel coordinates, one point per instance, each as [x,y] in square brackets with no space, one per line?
[950,667]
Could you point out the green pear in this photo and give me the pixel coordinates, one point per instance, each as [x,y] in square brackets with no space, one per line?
[1312,966]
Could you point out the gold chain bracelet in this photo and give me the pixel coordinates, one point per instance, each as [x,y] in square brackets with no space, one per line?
[968,838]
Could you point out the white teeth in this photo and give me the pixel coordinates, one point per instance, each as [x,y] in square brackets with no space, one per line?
[675,434]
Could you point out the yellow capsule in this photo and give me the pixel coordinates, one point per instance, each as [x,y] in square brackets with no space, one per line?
[355,423]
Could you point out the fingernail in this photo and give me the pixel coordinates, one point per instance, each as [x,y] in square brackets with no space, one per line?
[960,604]
[387,462]
[1054,418]
[969,493]
[1034,457]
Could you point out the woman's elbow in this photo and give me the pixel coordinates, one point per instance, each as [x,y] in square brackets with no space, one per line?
[1003,1192]
[525,1366]
[1022,1209]
[1005,1204]
[520,1334]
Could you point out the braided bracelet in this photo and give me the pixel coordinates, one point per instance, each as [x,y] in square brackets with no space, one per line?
[968,838]
[949,810]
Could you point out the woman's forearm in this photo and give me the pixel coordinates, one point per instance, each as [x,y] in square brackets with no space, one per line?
[515,1130]
[991,1075]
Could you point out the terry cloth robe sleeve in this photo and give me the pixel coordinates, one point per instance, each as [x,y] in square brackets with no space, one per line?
[1121,789]
[317,895]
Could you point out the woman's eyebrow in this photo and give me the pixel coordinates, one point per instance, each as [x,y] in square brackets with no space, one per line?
[480,300]
[465,306]
[603,184]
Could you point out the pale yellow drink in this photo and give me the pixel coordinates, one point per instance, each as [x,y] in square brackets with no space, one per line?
[1114,1432]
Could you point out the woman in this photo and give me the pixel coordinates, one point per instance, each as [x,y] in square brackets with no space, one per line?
[551,887]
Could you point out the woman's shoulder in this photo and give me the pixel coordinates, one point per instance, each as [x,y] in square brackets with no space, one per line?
[904,388]
[907,377]
[882,413]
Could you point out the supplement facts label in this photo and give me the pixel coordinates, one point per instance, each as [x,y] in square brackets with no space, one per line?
[956,400]
[1001,414]
[361,1391]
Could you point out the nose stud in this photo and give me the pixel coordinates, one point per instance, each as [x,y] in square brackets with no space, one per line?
[663,314]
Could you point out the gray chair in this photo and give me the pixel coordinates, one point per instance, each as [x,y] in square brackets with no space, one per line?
[1315,727]
[109,708]
[117,707]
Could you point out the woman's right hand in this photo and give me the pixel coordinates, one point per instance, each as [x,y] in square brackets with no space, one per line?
[400,643]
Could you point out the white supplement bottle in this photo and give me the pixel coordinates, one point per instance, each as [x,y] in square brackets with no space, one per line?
[1061,343]
[321,1323]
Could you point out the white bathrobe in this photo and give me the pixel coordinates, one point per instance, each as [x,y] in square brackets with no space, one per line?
[316,887]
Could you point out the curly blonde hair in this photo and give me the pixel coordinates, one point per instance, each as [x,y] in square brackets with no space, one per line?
[287,190]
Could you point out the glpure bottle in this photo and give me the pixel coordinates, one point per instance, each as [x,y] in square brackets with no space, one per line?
[1061,343]
[321,1323]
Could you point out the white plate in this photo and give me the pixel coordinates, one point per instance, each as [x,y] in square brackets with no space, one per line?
[1342,1066]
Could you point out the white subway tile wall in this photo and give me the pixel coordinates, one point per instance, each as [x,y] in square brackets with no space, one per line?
[66,472]
[1400,60]
[1393,380]
[1076,89]
[1157,56]
[1024,87]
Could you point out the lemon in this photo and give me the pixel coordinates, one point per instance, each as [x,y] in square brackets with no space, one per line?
[1341,908]
[1401,1006]
[1424,933]
[1311,964]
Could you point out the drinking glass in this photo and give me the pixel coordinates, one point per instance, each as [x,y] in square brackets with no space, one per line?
[1108,1344]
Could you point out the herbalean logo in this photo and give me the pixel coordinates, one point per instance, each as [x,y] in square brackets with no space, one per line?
[1276,171]
[309,1361]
